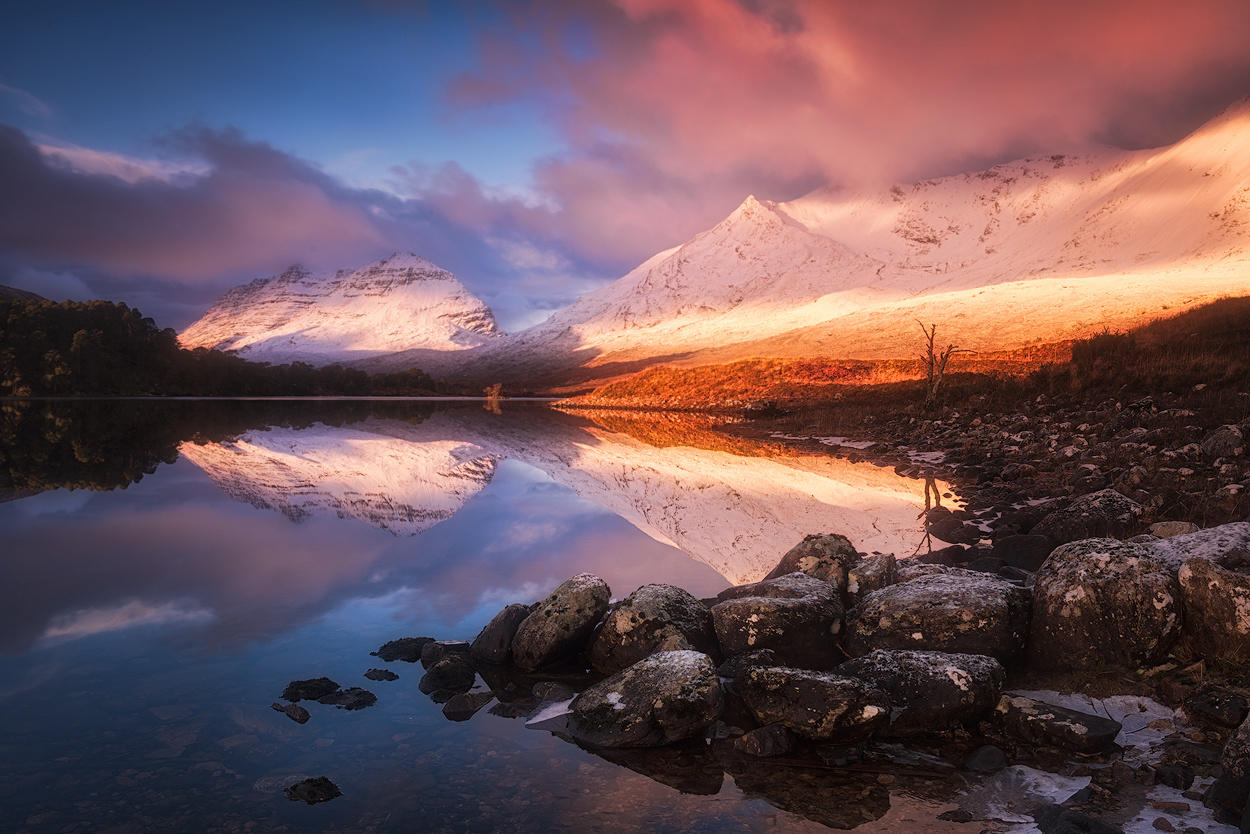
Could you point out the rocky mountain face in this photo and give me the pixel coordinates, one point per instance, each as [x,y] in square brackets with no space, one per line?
[1029,252]
[397,303]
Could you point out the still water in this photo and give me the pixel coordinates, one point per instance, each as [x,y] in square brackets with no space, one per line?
[169,566]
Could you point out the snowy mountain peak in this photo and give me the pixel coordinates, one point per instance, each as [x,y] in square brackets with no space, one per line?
[396,303]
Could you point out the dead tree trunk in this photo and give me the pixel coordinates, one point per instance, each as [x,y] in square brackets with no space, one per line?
[934,362]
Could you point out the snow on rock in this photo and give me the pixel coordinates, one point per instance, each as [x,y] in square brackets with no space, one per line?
[397,303]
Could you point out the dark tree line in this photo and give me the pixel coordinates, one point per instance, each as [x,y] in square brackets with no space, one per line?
[103,348]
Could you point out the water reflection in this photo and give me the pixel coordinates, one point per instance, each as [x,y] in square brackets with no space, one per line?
[169,565]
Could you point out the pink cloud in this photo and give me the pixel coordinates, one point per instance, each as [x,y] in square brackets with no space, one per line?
[687,105]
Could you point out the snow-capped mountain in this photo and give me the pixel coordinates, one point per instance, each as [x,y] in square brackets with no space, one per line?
[397,303]
[1039,250]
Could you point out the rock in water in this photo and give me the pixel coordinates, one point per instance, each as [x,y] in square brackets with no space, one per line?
[436,650]
[1101,602]
[407,649]
[1042,723]
[312,791]
[292,711]
[953,611]
[664,698]
[828,557]
[773,740]
[465,705]
[652,618]
[381,675]
[1102,513]
[453,673]
[930,691]
[494,643]
[560,624]
[310,689]
[352,698]
[796,616]
[816,705]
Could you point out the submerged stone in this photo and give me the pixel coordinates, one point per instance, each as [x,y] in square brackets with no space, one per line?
[352,698]
[381,675]
[292,711]
[310,689]
[312,791]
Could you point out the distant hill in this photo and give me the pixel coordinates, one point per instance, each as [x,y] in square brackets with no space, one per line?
[14,294]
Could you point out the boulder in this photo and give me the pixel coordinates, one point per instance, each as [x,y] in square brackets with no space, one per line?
[1222,542]
[796,616]
[453,673]
[663,698]
[493,643]
[1102,602]
[817,705]
[828,556]
[1216,595]
[872,573]
[1102,513]
[956,611]
[407,649]
[1217,705]
[930,691]
[651,619]
[560,624]
[1229,793]
[739,663]
[435,650]
[1224,442]
[1037,722]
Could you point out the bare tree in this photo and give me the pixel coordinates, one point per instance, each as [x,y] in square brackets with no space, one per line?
[934,362]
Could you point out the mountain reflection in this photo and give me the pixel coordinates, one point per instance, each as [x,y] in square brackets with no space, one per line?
[453,511]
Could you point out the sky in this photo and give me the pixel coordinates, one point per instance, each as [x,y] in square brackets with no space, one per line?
[158,153]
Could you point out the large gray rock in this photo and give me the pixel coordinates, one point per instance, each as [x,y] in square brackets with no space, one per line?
[818,705]
[494,643]
[796,616]
[1216,596]
[1224,442]
[1041,723]
[559,626]
[872,573]
[828,556]
[1102,513]
[651,619]
[956,611]
[1212,543]
[1102,602]
[664,698]
[930,691]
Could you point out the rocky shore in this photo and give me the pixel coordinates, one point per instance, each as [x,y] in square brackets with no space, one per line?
[843,675]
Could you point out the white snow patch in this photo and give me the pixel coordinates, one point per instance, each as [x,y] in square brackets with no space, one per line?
[1012,793]
[1145,722]
[1197,817]
[550,717]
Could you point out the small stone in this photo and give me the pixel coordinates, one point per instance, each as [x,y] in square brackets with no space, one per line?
[773,740]
[312,791]
[453,673]
[986,759]
[352,698]
[310,689]
[407,649]
[1218,706]
[381,675]
[1161,824]
[436,650]
[292,711]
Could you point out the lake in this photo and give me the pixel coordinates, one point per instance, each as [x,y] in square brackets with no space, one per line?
[171,565]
